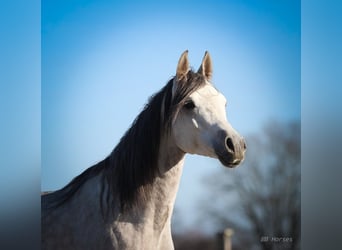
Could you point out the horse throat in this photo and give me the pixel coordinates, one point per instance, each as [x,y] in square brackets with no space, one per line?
[166,184]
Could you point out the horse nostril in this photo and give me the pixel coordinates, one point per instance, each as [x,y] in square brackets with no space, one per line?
[244,146]
[230,144]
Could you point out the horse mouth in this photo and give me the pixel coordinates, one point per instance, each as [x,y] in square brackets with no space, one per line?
[229,164]
[229,161]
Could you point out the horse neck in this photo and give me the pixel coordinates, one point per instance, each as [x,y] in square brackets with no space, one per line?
[170,163]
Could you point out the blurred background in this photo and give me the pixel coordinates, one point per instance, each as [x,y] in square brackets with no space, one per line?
[101,60]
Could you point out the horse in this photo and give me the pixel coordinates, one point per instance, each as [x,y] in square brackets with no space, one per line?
[126,200]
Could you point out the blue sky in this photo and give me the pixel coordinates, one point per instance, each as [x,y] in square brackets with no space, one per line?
[101,60]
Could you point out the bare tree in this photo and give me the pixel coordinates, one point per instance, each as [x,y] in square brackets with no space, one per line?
[261,199]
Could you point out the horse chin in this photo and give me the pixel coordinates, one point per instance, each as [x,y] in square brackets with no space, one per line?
[228,162]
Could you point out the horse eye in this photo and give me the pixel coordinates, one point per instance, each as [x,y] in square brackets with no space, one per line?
[189,105]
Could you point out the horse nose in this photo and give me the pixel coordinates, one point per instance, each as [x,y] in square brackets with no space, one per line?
[231,150]
[244,144]
[230,145]
[237,148]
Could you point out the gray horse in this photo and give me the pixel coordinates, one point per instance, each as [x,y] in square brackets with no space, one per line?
[126,200]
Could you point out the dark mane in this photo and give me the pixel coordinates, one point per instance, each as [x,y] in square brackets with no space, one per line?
[133,164]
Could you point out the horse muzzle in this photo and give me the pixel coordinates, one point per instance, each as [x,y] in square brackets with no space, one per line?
[230,150]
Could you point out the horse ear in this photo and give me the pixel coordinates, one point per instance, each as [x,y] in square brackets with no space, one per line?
[183,65]
[206,67]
